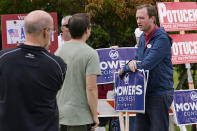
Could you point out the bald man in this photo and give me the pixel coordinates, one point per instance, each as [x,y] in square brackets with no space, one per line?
[29,79]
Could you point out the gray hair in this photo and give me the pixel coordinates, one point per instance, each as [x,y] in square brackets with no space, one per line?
[64,18]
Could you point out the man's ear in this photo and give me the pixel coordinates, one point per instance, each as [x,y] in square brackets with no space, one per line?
[44,33]
[86,31]
[154,19]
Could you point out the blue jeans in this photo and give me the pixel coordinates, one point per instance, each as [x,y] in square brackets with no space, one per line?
[156,117]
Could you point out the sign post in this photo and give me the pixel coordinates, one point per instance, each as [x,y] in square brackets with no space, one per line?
[191,84]
[190,79]
[121,120]
[129,95]
[110,62]
[180,16]
[127,121]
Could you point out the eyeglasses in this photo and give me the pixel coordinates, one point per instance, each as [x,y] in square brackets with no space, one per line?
[52,29]
[66,25]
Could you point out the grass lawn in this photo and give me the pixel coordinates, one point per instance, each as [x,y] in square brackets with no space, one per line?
[187,126]
[175,77]
[176,128]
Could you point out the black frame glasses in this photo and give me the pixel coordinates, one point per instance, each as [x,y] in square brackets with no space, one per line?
[52,29]
[66,25]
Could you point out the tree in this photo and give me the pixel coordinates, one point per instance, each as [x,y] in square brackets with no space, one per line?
[62,7]
[117,18]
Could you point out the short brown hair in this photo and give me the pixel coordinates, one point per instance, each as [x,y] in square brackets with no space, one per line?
[150,9]
[78,24]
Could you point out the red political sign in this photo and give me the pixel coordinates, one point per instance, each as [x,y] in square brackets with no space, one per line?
[13,31]
[184,48]
[177,16]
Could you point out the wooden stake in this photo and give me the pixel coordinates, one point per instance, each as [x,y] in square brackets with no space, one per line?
[127,122]
[121,121]
[183,128]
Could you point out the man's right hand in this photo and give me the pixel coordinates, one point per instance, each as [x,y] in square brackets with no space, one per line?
[96,123]
[132,65]
[115,47]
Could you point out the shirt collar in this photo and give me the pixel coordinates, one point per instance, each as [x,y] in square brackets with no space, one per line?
[148,37]
[24,46]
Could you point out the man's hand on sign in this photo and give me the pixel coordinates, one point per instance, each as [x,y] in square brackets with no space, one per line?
[132,65]
[115,47]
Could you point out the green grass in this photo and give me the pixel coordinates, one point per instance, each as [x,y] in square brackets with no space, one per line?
[176,128]
[187,126]
[175,77]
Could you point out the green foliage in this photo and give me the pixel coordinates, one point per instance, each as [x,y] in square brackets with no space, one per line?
[15,6]
[24,6]
[114,20]
[98,38]
[181,70]
[116,17]
[62,7]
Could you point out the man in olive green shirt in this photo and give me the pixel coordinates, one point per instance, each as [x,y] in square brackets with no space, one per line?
[78,98]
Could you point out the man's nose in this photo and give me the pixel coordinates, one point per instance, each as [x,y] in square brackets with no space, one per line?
[138,20]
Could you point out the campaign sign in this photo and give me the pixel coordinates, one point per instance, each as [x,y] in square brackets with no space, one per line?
[185,104]
[129,93]
[177,16]
[13,31]
[184,48]
[112,60]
